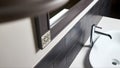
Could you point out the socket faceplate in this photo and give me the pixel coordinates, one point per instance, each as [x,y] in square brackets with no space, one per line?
[46,38]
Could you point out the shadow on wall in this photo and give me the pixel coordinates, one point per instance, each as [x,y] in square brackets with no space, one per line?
[115,9]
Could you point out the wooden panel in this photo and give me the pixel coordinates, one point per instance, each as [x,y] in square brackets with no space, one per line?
[42,26]
[68,17]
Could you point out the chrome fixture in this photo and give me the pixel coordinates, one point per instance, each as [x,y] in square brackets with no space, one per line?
[93,27]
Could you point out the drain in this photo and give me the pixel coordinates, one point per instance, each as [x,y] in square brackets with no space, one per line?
[115,62]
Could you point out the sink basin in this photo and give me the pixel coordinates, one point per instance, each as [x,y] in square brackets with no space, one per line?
[105,52]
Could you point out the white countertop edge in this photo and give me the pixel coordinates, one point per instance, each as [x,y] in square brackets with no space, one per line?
[41,53]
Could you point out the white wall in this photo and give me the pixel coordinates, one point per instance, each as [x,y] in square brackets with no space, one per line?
[17,43]
[17,47]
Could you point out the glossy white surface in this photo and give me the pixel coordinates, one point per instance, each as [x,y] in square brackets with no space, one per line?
[105,51]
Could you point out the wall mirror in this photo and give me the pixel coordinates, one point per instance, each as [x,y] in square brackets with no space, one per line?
[57,14]
[50,24]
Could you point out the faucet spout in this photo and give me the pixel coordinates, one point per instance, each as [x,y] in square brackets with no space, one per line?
[104,34]
[93,31]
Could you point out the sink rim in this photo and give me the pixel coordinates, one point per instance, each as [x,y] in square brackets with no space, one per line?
[109,32]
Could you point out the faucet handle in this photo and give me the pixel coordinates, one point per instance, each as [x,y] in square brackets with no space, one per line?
[96,26]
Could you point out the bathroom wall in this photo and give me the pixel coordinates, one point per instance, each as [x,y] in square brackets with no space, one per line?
[62,55]
[17,43]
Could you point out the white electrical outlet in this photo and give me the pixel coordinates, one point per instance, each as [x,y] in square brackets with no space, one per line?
[46,38]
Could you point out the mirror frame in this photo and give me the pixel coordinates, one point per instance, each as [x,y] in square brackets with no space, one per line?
[43,28]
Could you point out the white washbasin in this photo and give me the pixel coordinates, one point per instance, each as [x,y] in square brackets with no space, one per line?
[105,53]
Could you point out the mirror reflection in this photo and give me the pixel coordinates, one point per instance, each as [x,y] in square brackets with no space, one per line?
[56,15]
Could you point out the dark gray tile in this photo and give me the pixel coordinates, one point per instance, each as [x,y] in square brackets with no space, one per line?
[72,53]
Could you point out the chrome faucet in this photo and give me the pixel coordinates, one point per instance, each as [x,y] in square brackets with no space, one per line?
[94,31]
